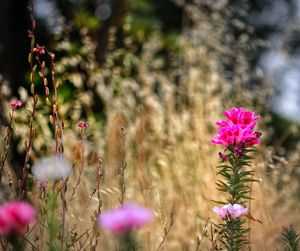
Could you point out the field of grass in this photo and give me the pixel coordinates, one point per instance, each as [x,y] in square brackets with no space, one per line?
[148,141]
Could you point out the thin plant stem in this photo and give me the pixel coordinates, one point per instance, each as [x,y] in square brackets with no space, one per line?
[74,188]
[202,236]
[28,145]
[7,144]
[167,229]
[123,164]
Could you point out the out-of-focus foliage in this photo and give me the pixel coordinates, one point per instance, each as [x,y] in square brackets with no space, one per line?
[291,238]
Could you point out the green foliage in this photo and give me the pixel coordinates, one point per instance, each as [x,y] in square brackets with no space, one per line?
[127,242]
[236,182]
[236,177]
[52,221]
[84,19]
[291,239]
[233,234]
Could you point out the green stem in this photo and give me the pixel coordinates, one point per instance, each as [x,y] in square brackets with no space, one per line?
[127,242]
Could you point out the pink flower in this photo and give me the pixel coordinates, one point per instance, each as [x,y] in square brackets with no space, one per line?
[238,150]
[224,157]
[235,134]
[15,217]
[222,212]
[42,184]
[239,116]
[15,104]
[235,211]
[83,125]
[39,50]
[125,218]
[4,223]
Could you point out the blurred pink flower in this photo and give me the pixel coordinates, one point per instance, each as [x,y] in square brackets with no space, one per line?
[239,116]
[235,211]
[4,223]
[15,217]
[125,218]
[15,104]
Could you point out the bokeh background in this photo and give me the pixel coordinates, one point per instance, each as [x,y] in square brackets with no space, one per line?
[151,78]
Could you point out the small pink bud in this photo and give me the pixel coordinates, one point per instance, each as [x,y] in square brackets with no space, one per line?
[257,134]
[30,34]
[52,56]
[15,104]
[238,150]
[39,50]
[83,125]
[42,184]
[224,157]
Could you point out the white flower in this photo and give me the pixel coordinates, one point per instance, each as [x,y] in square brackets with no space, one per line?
[53,167]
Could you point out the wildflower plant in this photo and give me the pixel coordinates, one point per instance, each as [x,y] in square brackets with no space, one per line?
[237,135]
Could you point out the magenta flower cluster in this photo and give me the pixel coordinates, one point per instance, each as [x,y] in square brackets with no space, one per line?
[235,211]
[15,217]
[125,218]
[237,129]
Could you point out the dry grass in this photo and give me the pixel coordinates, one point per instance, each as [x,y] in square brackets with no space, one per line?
[161,131]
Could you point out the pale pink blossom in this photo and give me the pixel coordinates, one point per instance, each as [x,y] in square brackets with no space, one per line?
[235,211]
[222,211]
[15,217]
[125,218]
[15,104]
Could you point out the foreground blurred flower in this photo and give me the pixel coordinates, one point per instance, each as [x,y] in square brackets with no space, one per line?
[125,218]
[54,167]
[15,217]
[15,104]
[235,211]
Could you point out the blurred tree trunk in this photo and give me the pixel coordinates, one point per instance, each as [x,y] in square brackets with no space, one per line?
[67,9]
[14,44]
[14,47]
[102,36]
